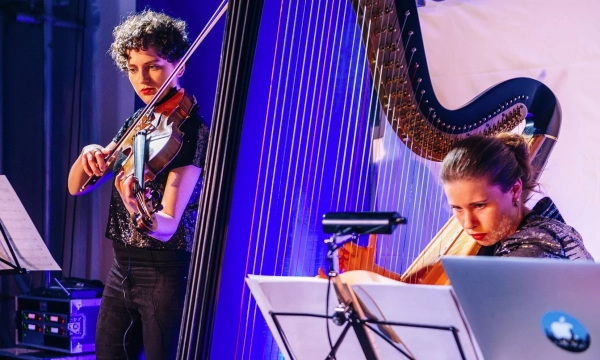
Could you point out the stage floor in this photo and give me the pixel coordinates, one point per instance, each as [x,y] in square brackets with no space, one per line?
[37,354]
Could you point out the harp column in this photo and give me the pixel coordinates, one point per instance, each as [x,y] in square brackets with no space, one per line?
[241,32]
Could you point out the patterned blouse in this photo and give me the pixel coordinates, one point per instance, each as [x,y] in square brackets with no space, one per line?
[193,152]
[543,233]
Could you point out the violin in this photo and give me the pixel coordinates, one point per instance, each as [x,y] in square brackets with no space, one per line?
[159,139]
[162,141]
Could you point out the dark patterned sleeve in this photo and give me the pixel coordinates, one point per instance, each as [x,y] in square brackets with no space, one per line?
[573,245]
[195,142]
[126,126]
[549,239]
[201,146]
[532,241]
[529,249]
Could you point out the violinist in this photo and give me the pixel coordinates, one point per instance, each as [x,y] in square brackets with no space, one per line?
[144,294]
[486,180]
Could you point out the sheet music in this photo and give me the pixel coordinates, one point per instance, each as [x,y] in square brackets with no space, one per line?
[29,248]
[383,299]
[307,335]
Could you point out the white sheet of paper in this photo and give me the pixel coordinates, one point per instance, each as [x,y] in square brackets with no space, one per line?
[306,335]
[389,301]
[29,248]
[431,305]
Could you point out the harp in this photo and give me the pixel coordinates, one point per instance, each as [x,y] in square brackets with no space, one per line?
[334,111]
[399,67]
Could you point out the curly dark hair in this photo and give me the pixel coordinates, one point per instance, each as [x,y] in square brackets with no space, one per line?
[167,35]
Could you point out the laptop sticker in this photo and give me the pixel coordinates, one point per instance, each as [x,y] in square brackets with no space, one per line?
[565,331]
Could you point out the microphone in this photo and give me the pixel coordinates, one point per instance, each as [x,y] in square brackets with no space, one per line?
[343,223]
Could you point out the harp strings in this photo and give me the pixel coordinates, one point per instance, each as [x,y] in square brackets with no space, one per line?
[400,248]
[360,95]
[332,81]
[389,175]
[343,169]
[312,116]
[292,151]
[324,93]
[256,214]
[405,180]
[389,178]
[290,84]
[323,150]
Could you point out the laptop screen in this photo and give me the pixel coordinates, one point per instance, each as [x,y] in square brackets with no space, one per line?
[522,308]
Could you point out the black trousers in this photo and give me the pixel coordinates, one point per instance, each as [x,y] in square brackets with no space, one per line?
[142,304]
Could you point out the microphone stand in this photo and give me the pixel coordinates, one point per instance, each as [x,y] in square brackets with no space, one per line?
[345,311]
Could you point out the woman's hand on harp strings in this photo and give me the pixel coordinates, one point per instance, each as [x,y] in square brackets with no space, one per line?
[93,159]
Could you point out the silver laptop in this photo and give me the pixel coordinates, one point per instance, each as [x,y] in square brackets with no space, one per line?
[529,308]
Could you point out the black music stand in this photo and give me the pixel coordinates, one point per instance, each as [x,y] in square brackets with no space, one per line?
[16,267]
[24,244]
[348,312]
[354,224]
[365,344]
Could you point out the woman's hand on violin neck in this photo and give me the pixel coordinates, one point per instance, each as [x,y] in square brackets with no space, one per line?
[125,187]
[93,159]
